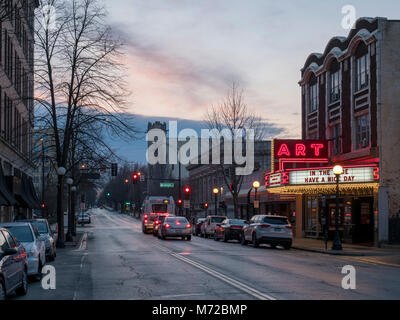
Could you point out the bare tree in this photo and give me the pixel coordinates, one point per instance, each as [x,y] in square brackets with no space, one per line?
[233,114]
[80,83]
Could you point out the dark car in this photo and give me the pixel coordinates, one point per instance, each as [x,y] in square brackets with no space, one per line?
[13,265]
[44,230]
[159,221]
[229,229]
[197,226]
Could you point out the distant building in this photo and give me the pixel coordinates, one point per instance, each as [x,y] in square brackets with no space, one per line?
[17,195]
[203,178]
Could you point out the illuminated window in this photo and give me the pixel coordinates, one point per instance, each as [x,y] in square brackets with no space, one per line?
[362,132]
[361,73]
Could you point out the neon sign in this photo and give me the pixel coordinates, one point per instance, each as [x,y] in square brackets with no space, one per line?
[293,149]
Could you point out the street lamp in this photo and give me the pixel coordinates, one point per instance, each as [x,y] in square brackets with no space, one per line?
[73,190]
[60,214]
[256,185]
[68,237]
[337,244]
[215,191]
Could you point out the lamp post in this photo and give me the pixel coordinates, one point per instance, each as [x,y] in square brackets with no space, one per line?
[215,191]
[60,214]
[68,237]
[337,244]
[73,190]
[256,185]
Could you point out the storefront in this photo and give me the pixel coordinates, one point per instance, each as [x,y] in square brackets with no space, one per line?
[315,190]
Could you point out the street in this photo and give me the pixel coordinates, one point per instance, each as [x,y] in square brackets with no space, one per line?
[118,261]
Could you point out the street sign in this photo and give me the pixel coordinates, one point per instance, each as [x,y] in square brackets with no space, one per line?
[186,204]
[256,204]
[166,185]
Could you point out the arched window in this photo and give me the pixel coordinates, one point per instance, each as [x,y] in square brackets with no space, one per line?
[361,67]
[334,81]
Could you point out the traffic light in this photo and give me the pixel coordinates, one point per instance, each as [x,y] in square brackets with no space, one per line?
[82,198]
[206,206]
[179,202]
[114,169]
[135,178]
[108,194]
[43,206]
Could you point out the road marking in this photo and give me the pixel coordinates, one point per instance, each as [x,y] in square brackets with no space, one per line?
[233,282]
[82,245]
[375,262]
[182,295]
[79,278]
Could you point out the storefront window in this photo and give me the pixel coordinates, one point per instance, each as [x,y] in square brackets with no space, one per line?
[312,226]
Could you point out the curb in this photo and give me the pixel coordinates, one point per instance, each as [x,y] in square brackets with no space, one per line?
[348,254]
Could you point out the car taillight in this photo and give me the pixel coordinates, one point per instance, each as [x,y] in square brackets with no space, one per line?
[236,227]
[265,226]
[145,221]
[188,225]
[166,226]
[288,227]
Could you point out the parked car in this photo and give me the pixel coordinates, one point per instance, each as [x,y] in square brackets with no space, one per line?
[229,229]
[83,218]
[197,226]
[273,230]
[44,230]
[33,243]
[208,226]
[13,265]
[175,227]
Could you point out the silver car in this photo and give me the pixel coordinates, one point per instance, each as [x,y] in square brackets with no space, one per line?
[83,218]
[33,243]
[273,230]
[175,227]
[45,231]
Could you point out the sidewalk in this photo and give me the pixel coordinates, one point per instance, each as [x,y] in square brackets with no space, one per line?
[388,255]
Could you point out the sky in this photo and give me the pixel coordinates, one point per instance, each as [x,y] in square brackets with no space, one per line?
[183,55]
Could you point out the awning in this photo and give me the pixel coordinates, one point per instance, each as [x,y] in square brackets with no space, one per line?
[32,194]
[3,201]
[5,193]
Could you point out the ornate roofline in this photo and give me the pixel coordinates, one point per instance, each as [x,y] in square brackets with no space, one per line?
[340,48]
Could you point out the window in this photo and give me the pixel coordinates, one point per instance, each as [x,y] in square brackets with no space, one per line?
[313,98]
[335,136]
[362,73]
[10,239]
[334,87]
[362,132]
[3,243]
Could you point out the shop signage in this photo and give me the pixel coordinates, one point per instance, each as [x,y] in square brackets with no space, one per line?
[300,149]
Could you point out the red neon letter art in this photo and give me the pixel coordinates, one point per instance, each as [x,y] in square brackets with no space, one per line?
[284,150]
[316,147]
[300,150]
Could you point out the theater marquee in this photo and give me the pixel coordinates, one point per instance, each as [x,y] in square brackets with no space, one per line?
[317,176]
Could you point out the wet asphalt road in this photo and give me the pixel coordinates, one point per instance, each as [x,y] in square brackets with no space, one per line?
[120,262]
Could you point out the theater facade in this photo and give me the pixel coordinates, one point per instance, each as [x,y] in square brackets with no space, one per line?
[350,117]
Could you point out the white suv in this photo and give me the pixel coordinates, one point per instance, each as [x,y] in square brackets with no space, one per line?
[273,230]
